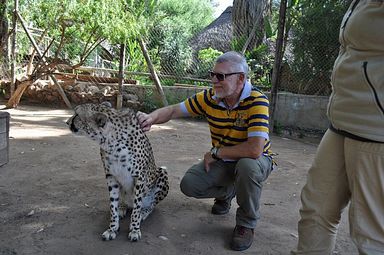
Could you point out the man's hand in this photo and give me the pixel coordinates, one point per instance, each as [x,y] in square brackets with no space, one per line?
[208,160]
[145,121]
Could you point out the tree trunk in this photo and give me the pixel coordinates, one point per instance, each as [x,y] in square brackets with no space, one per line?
[248,22]
[13,102]
[3,36]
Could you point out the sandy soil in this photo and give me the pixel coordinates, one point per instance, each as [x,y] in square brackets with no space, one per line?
[53,196]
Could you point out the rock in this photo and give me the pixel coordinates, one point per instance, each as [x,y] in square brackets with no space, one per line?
[80,87]
[93,89]
[163,238]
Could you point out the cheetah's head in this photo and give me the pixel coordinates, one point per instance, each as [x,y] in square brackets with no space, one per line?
[91,120]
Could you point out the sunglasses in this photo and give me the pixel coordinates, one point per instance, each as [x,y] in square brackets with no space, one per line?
[222,76]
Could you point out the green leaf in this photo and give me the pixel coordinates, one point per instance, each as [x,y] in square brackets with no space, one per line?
[268,28]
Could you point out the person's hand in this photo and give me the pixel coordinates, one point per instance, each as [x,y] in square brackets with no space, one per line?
[208,160]
[145,121]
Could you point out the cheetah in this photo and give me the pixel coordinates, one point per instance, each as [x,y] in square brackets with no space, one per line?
[134,182]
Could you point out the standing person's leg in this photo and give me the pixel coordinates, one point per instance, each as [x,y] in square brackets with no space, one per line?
[365,169]
[216,183]
[324,196]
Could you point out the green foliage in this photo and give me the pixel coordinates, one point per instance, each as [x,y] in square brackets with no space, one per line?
[189,16]
[315,42]
[260,58]
[238,42]
[175,55]
[177,22]
[135,61]
[268,28]
[79,26]
[99,17]
[207,58]
[260,62]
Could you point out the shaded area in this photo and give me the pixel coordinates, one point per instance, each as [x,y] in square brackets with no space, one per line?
[54,199]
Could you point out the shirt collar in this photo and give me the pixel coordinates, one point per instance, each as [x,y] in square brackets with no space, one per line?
[246,92]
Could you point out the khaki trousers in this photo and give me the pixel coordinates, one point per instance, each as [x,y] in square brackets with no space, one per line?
[344,171]
[243,178]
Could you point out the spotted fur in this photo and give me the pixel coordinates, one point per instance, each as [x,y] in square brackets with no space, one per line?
[134,182]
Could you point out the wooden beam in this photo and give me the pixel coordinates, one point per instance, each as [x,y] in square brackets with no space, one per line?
[89,69]
[91,78]
[153,72]
[59,88]
[119,98]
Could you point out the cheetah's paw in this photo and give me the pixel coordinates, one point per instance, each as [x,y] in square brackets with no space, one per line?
[109,235]
[134,235]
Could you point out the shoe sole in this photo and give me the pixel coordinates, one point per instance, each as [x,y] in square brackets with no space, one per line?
[240,248]
[219,213]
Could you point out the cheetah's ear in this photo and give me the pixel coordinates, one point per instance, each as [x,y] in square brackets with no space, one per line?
[106,103]
[100,119]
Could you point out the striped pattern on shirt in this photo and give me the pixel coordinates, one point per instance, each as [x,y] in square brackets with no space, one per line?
[230,127]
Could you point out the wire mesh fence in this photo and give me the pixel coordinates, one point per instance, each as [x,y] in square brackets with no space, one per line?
[310,47]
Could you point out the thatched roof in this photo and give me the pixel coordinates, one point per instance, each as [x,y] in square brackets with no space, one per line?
[216,35]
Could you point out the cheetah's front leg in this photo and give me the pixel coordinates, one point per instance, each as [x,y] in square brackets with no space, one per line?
[134,227]
[114,191]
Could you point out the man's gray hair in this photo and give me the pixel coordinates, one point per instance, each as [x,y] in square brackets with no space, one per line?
[238,61]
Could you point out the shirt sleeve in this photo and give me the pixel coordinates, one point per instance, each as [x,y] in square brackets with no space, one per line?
[258,121]
[194,105]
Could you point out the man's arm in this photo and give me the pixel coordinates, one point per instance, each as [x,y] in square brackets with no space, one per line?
[159,116]
[252,148]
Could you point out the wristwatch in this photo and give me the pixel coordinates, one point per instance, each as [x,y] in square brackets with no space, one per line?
[214,152]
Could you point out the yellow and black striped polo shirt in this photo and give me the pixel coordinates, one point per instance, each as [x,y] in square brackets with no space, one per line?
[249,117]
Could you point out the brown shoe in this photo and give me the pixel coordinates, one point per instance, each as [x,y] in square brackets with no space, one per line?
[221,207]
[242,238]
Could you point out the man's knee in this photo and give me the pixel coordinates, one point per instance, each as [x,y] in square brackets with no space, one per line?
[187,185]
[250,169]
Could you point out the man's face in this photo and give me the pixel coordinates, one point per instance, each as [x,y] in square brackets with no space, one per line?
[231,86]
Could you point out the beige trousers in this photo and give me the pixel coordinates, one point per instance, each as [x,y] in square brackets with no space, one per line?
[344,171]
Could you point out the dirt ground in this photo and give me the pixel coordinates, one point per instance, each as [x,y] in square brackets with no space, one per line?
[54,200]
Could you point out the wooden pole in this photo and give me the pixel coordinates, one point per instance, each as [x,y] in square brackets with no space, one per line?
[13,49]
[249,40]
[119,100]
[153,72]
[59,88]
[88,69]
[277,64]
